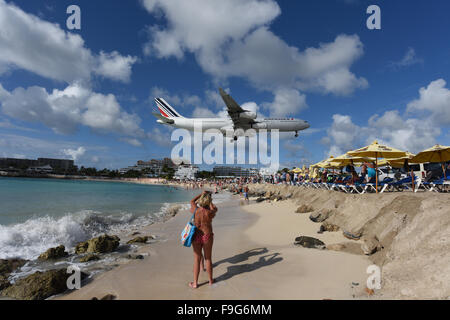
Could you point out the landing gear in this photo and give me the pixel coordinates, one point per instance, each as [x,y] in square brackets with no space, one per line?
[234,139]
[296,134]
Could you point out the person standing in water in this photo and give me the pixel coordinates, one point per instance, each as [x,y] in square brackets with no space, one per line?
[205,211]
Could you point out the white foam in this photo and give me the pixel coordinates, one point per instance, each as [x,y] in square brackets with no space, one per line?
[27,240]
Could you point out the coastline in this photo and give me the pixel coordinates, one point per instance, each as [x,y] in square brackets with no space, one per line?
[247,265]
[254,255]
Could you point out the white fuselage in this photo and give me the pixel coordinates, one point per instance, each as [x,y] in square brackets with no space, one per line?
[226,124]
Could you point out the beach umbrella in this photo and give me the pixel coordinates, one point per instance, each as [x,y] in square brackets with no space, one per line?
[347,159]
[318,164]
[436,154]
[399,162]
[376,150]
[326,162]
[297,170]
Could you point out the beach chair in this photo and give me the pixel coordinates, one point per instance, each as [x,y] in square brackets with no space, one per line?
[420,183]
[440,185]
[401,185]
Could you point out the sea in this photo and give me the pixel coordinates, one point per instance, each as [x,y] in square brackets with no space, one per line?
[37,214]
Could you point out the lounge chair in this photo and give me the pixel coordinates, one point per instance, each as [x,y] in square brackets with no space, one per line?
[403,184]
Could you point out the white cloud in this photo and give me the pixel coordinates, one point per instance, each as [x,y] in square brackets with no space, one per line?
[3,93]
[286,101]
[30,43]
[161,137]
[132,141]
[115,66]
[213,97]
[32,147]
[343,135]
[391,129]
[175,100]
[74,154]
[200,112]
[410,58]
[434,101]
[203,26]
[419,128]
[238,42]
[64,110]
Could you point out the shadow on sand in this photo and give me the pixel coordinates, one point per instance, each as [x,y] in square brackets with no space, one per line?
[242,256]
[235,270]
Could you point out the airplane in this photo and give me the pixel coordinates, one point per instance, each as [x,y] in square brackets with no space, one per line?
[238,122]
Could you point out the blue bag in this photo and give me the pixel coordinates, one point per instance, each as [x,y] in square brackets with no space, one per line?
[188,232]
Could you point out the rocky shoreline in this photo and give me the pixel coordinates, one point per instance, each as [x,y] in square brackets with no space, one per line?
[406,234]
[50,278]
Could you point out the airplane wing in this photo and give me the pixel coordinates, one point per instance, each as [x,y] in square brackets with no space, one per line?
[234,111]
[163,119]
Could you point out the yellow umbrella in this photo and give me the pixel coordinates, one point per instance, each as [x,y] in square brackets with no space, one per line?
[401,161]
[332,165]
[318,164]
[376,150]
[297,170]
[326,162]
[346,159]
[437,153]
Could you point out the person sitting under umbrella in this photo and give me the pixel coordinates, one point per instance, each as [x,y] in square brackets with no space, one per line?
[371,173]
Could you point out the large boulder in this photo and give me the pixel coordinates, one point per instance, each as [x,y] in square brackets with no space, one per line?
[348,247]
[370,245]
[304,208]
[320,216]
[4,283]
[89,257]
[39,285]
[54,253]
[9,265]
[309,242]
[329,227]
[102,244]
[140,239]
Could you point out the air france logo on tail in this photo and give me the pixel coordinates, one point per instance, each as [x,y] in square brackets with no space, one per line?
[165,109]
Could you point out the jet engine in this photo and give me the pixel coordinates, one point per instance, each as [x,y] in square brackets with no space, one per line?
[248,115]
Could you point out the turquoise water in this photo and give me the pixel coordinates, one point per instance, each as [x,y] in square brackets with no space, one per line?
[22,198]
[36,214]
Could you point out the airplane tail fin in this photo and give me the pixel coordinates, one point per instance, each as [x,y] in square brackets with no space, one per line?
[166,110]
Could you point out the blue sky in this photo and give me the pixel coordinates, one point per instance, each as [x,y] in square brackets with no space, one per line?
[87,94]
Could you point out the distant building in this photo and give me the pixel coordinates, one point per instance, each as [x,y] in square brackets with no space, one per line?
[13,163]
[154,165]
[267,171]
[43,169]
[186,172]
[223,172]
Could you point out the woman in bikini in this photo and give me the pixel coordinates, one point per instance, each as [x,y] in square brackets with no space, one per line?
[203,240]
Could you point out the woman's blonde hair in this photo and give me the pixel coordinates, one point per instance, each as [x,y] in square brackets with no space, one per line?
[204,200]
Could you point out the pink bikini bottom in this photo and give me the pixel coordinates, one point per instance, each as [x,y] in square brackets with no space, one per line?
[202,238]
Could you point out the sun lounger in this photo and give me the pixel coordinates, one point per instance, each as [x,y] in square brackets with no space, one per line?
[440,185]
[400,185]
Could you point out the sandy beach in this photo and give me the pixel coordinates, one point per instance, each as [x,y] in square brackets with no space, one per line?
[254,258]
